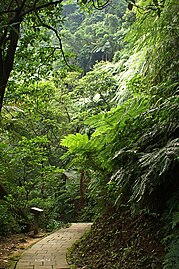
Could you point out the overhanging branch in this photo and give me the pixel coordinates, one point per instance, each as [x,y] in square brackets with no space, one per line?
[100,6]
[37,8]
[30,9]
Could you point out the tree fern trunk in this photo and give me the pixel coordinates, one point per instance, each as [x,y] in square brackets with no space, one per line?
[82,190]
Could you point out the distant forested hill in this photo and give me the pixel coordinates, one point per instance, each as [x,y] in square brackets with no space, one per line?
[95,35]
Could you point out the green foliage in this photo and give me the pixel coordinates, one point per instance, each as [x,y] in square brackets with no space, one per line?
[171,259]
[109,125]
[151,152]
[30,167]
[154,166]
[95,91]
[158,34]
[109,137]
[175,219]
[171,239]
[8,223]
[78,149]
[142,131]
[75,142]
[53,225]
[93,36]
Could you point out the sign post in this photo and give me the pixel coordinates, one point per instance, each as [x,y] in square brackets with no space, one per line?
[36,212]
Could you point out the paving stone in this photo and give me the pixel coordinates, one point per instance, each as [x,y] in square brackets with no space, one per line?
[41,252]
[44,267]
[21,266]
[50,252]
[62,266]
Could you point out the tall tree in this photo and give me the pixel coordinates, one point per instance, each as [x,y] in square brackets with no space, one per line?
[12,14]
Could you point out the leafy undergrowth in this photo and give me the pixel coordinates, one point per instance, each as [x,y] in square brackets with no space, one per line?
[120,240]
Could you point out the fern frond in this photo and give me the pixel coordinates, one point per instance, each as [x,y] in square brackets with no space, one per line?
[175,219]
[74,142]
[171,259]
[154,166]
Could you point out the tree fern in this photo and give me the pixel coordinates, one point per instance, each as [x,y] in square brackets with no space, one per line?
[154,166]
[75,142]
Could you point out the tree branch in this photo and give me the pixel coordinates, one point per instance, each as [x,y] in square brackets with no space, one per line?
[31,9]
[99,6]
[57,35]
[45,61]
[8,11]
[37,8]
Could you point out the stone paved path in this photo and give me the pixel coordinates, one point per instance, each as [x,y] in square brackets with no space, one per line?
[50,252]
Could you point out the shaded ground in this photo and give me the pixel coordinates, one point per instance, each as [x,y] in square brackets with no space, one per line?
[12,245]
[121,241]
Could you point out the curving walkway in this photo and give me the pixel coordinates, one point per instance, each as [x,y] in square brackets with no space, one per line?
[50,252]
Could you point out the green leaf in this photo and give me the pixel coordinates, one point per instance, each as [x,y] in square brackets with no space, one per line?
[74,142]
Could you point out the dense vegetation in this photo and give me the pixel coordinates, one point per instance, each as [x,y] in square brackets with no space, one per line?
[92,131]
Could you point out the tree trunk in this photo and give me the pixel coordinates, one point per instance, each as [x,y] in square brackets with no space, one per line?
[82,190]
[2,91]
[8,45]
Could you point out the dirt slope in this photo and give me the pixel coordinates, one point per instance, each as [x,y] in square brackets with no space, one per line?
[120,240]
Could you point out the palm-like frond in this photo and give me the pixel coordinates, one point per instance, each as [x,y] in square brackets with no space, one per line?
[149,163]
[154,166]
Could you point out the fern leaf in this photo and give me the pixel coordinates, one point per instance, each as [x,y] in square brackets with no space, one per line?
[74,142]
[154,166]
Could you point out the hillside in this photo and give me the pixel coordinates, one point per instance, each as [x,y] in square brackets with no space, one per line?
[137,146]
[121,240]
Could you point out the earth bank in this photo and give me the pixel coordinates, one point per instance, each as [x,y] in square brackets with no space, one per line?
[121,240]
